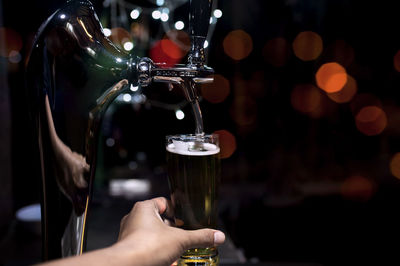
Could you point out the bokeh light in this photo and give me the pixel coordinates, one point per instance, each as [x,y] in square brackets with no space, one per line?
[227,143]
[107,32]
[180,38]
[135,13]
[119,36]
[347,93]
[331,77]
[179,114]
[395,165]
[12,41]
[277,51]
[307,45]
[216,91]
[217,13]
[238,44]
[357,188]
[305,98]
[363,99]
[166,51]
[171,49]
[179,25]
[371,120]
[393,117]
[156,14]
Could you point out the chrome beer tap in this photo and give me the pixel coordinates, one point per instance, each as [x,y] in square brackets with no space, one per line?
[73,74]
[195,71]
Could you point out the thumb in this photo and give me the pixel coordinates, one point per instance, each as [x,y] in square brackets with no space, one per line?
[204,238]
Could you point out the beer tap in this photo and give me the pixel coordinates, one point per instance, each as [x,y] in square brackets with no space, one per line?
[73,74]
[195,71]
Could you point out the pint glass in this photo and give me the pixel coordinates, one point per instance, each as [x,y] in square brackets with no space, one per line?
[193,175]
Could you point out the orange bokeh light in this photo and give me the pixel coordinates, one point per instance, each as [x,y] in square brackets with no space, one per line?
[331,77]
[238,44]
[347,93]
[216,91]
[357,188]
[364,99]
[371,120]
[119,36]
[277,51]
[307,45]
[227,143]
[12,41]
[395,165]
[305,98]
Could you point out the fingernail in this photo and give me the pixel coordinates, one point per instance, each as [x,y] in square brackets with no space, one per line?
[219,237]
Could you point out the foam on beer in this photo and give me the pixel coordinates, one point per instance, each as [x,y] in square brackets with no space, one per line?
[186,148]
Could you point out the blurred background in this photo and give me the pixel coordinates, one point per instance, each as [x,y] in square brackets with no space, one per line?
[305,98]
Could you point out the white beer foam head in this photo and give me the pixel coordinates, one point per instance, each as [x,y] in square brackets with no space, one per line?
[185,148]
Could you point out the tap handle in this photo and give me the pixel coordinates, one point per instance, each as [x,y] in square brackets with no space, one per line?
[199,20]
[199,17]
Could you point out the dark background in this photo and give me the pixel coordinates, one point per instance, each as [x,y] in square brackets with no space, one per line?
[288,192]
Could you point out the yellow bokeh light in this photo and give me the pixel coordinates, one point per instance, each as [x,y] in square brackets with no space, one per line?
[307,45]
[277,51]
[216,91]
[238,44]
[331,77]
[371,120]
[227,143]
[347,93]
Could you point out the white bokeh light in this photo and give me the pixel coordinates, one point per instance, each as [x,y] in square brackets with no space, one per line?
[205,44]
[156,14]
[135,13]
[179,25]
[179,114]
[164,17]
[107,32]
[128,46]
[217,13]
[127,97]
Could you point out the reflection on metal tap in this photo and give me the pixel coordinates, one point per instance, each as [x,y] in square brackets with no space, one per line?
[70,166]
[73,74]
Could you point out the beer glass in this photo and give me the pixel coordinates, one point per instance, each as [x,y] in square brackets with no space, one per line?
[193,175]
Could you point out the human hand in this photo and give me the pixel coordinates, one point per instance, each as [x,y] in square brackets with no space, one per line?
[152,241]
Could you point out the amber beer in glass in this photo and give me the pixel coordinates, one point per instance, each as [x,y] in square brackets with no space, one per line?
[193,175]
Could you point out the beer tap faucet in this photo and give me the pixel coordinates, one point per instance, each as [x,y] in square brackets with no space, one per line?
[195,71]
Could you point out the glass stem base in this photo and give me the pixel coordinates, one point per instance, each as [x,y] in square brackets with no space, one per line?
[199,257]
